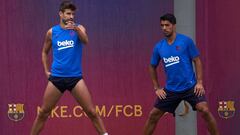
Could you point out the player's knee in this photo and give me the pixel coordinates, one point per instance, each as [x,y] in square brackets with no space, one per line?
[91,113]
[43,113]
[153,117]
[204,110]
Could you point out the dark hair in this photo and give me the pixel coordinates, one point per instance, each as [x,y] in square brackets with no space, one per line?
[169,17]
[67,5]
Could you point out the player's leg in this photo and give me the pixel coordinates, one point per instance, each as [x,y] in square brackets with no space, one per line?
[169,104]
[202,107]
[199,103]
[83,97]
[51,97]
[152,121]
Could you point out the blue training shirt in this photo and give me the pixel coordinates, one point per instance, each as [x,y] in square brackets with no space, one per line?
[177,62]
[67,53]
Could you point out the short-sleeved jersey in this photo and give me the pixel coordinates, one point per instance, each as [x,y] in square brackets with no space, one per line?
[67,53]
[177,62]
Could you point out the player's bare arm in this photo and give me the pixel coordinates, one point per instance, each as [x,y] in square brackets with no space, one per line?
[158,90]
[46,48]
[199,89]
[82,34]
[80,30]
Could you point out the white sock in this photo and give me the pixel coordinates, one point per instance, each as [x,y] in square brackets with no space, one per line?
[105,134]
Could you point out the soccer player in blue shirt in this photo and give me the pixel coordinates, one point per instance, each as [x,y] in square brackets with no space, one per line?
[66,41]
[177,52]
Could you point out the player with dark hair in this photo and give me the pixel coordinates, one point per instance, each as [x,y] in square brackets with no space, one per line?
[177,52]
[66,40]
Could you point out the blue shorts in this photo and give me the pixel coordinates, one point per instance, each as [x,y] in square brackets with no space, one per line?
[172,100]
[64,83]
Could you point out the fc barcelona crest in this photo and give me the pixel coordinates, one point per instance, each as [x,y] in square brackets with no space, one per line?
[72,33]
[226,109]
[15,112]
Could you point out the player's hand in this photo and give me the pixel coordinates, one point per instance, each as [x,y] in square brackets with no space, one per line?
[199,89]
[70,25]
[161,93]
[47,73]
[81,28]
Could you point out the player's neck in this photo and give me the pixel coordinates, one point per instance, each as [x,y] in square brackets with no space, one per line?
[62,25]
[172,38]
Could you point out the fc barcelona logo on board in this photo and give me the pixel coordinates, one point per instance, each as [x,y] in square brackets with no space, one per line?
[226,109]
[15,112]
